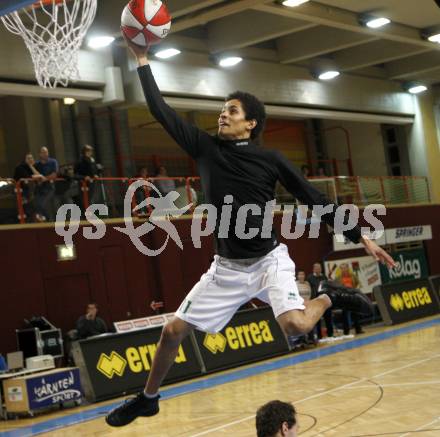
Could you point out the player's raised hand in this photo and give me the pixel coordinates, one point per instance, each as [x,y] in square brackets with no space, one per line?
[378,253]
[139,52]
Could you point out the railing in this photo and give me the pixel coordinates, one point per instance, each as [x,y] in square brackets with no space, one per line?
[387,190]
[21,201]
[183,164]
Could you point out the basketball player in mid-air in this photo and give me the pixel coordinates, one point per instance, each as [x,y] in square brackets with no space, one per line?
[232,164]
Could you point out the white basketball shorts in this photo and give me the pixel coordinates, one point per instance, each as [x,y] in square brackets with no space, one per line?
[229,283]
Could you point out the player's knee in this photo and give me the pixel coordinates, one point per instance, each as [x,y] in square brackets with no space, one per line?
[295,326]
[171,334]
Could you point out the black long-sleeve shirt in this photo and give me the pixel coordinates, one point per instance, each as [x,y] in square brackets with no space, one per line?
[22,171]
[86,167]
[88,328]
[314,281]
[239,168]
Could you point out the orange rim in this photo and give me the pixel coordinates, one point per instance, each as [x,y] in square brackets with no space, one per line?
[46,3]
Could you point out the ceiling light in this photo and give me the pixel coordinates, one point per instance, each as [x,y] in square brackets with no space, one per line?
[434,38]
[230,61]
[69,101]
[293,3]
[417,89]
[167,53]
[99,42]
[375,23]
[327,75]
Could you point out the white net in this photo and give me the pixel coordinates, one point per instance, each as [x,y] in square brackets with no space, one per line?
[53,31]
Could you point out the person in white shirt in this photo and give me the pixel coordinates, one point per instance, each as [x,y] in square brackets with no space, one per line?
[305,290]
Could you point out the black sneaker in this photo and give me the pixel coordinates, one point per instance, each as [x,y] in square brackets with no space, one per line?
[349,299]
[133,408]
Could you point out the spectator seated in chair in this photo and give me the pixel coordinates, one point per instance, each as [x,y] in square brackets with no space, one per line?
[89,324]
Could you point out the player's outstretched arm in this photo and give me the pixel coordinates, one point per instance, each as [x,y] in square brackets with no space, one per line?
[304,191]
[377,252]
[184,133]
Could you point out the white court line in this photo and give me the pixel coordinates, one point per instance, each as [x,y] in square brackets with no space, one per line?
[420,427]
[244,419]
[400,384]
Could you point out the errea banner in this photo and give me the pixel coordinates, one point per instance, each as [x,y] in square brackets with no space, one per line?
[435,282]
[115,364]
[251,335]
[405,301]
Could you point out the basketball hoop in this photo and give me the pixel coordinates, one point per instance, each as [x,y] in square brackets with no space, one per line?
[53,31]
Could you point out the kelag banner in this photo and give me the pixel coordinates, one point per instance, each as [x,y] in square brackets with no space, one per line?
[251,335]
[405,301]
[114,364]
[54,388]
[411,264]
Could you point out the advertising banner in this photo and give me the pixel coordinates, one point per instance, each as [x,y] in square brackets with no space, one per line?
[54,388]
[342,243]
[119,363]
[411,264]
[408,234]
[143,322]
[361,272]
[435,283]
[405,301]
[390,236]
[251,335]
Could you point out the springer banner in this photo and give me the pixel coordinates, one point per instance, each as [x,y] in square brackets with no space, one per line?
[251,335]
[411,264]
[405,301]
[361,272]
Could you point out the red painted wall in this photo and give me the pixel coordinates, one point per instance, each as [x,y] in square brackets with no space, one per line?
[121,280]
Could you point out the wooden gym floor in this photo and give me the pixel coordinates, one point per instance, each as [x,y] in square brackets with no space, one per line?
[384,383]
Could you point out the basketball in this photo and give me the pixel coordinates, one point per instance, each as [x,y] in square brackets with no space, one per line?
[145,22]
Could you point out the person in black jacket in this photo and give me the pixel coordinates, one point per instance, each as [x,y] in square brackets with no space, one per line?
[90,324]
[26,170]
[87,169]
[237,172]
[68,190]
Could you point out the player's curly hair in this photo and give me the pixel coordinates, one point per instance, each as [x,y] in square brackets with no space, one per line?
[271,416]
[253,108]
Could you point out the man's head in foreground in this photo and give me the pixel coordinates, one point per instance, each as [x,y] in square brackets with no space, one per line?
[276,419]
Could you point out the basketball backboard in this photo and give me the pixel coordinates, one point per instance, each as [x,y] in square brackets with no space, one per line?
[7,6]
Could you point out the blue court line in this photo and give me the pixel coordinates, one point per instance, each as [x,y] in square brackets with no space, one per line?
[94,413]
